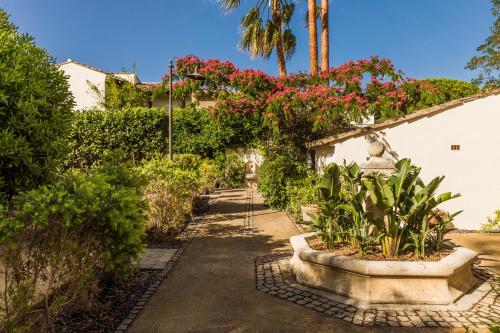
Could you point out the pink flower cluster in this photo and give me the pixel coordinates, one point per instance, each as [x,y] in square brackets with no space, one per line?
[348,91]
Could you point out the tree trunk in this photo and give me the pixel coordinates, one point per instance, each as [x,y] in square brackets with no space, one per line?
[325,45]
[279,42]
[313,36]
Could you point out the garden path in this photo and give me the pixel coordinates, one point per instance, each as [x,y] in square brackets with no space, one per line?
[212,287]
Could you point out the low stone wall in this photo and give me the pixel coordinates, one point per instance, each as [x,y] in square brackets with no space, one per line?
[392,282]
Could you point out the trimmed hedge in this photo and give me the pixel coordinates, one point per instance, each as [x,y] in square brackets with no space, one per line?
[141,133]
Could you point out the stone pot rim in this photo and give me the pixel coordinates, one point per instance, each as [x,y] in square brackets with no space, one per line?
[442,268]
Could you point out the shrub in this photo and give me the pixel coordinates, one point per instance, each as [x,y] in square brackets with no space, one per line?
[141,133]
[274,176]
[65,237]
[442,91]
[232,170]
[35,112]
[170,192]
[301,192]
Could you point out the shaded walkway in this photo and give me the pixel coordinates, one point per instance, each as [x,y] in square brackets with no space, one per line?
[212,287]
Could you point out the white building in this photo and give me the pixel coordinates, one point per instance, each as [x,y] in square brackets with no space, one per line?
[459,139]
[82,78]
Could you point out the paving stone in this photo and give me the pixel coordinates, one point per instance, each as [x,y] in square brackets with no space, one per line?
[350,313]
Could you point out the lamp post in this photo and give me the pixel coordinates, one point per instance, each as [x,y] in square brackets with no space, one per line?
[193,76]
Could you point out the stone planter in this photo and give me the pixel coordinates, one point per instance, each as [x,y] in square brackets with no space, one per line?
[392,282]
[312,209]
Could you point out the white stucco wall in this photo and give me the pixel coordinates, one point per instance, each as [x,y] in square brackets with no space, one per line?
[473,171]
[79,78]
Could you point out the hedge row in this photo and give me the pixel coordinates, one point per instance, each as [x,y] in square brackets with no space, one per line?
[141,133]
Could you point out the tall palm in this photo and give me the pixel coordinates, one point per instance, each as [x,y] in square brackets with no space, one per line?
[313,36]
[260,37]
[325,45]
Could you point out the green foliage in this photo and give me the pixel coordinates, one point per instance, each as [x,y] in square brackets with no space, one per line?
[124,94]
[406,203]
[400,211]
[493,224]
[275,174]
[35,111]
[197,131]
[301,192]
[141,133]
[172,188]
[65,236]
[489,60]
[441,91]
[231,170]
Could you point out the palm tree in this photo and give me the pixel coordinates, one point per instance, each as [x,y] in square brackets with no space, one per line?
[325,45]
[260,37]
[313,36]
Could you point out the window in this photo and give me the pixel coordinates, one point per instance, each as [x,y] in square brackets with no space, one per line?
[455,147]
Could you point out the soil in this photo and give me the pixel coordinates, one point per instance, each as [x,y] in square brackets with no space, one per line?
[112,305]
[346,250]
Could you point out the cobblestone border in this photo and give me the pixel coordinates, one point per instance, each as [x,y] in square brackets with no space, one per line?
[186,236]
[274,277]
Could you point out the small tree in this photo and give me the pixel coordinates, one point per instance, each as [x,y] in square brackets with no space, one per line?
[35,111]
[489,60]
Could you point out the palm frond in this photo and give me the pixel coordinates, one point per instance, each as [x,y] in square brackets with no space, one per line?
[229,5]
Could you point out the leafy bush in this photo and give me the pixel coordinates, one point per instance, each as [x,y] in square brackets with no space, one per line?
[232,170]
[301,192]
[172,187]
[441,91]
[400,211]
[141,133]
[274,176]
[65,237]
[35,111]
[493,224]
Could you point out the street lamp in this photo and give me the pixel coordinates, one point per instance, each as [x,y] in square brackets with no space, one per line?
[193,76]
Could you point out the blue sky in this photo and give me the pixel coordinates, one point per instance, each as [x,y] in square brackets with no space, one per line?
[424,38]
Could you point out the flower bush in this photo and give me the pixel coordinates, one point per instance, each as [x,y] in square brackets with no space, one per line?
[298,108]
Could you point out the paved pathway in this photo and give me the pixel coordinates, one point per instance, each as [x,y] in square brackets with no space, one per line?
[213,289]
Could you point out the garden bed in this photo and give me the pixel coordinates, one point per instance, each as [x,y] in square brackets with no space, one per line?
[347,250]
[111,306]
[393,282]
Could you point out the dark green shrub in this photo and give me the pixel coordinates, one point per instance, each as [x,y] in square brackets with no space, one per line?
[274,176]
[66,236]
[35,111]
[141,133]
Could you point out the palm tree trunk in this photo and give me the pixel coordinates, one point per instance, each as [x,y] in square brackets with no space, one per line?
[279,42]
[313,36]
[325,46]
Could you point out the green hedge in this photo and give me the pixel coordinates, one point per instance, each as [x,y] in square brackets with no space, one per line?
[141,133]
